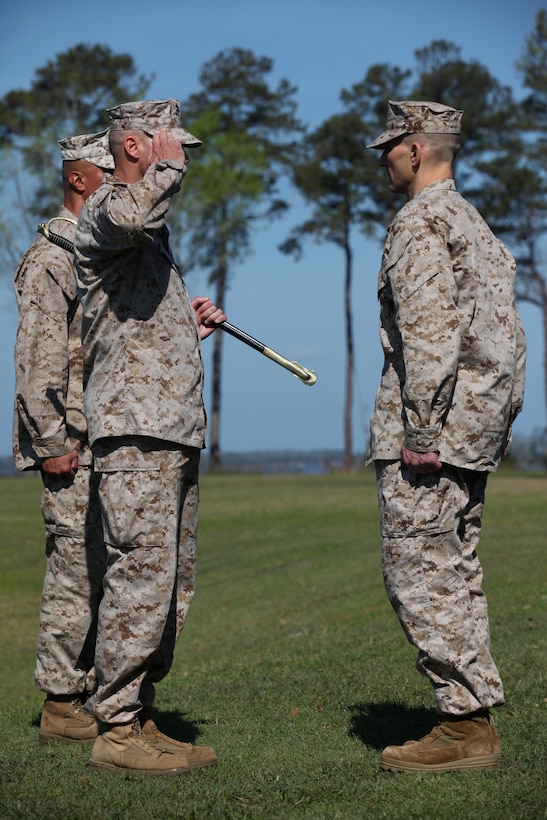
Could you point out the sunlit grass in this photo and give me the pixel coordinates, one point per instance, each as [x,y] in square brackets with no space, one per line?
[292,664]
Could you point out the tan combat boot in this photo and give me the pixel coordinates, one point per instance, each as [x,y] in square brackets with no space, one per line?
[462,744]
[66,721]
[126,749]
[197,756]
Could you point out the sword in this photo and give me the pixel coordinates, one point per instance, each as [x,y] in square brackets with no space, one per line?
[308,377]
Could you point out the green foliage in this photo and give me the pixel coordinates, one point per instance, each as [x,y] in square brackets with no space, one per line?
[230,178]
[253,137]
[71,93]
[345,190]
[292,664]
[332,177]
[344,185]
[517,179]
[489,111]
[500,169]
[248,130]
[68,96]
[235,84]
[341,181]
[533,68]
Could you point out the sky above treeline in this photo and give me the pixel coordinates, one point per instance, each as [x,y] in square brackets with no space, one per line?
[294,307]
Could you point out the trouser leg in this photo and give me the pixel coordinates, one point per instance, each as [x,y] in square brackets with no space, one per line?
[430,529]
[75,564]
[150,579]
[188,508]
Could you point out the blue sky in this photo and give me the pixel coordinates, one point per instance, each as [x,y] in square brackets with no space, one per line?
[295,308]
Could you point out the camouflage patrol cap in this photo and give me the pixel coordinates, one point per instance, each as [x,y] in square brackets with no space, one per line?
[150,116]
[417,117]
[89,147]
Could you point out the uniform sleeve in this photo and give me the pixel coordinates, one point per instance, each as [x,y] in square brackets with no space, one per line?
[518,391]
[425,296]
[42,353]
[122,216]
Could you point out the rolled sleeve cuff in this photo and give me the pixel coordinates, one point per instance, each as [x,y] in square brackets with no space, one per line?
[423,440]
[53,447]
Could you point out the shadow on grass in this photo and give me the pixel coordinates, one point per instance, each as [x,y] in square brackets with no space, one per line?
[389,723]
[175,725]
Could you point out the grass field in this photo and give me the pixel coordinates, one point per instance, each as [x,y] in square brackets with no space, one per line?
[292,664]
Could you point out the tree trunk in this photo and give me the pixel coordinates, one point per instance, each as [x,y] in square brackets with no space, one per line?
[544,321]
[534,291]
[215,459]
[348,407]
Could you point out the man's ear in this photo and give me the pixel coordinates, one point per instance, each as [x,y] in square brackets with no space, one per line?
[415,154]
[132,146]
[77,181]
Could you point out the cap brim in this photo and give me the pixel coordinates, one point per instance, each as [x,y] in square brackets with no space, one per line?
[182,135]
[106,163]
[186,138]
[385,137]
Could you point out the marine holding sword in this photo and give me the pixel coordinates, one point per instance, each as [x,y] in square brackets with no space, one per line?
[146,420]
[143,380]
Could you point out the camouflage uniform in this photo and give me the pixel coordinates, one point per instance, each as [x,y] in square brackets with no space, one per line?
[49,422]
[143,379]
[453,382]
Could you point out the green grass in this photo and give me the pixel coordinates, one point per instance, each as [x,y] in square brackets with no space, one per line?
[292,664]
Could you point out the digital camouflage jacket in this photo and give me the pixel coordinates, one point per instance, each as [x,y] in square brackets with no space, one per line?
[454,349]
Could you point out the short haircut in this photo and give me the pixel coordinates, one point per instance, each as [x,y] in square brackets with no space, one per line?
[444,147]
[116,140]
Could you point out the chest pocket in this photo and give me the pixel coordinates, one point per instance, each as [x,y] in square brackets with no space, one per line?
[395,247]
[408,271]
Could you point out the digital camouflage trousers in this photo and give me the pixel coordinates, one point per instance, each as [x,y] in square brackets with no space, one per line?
[75,564]
[149,505]
[430,528]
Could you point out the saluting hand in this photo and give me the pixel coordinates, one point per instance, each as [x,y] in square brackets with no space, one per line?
[165,146]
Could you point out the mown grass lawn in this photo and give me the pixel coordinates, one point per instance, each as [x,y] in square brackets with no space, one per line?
[292,664]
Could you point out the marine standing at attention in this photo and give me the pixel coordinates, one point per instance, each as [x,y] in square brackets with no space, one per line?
[50,435]
[451,387]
